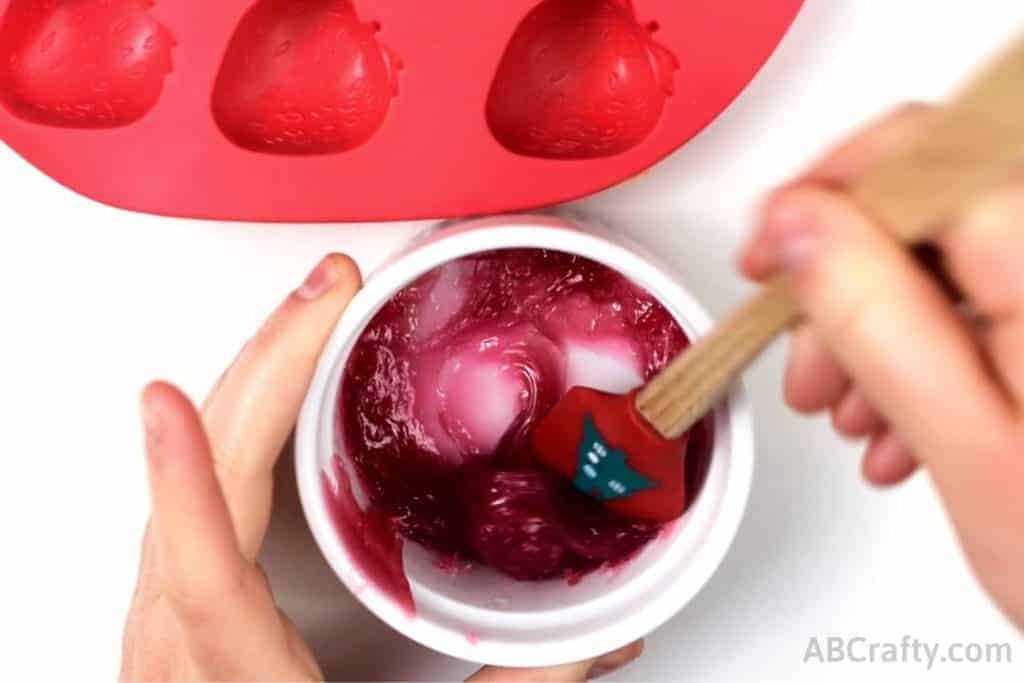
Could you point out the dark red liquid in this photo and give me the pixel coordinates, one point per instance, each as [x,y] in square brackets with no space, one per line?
[443,387]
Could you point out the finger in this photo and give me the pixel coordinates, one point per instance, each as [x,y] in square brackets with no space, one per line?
[843,164]
[193,537]
[888,325]
[147,587]
[887,460]
[854,416]
[580,671]
[215,593]
[985,255]
[253,409]
[851,158]
[243,636]
[814,381]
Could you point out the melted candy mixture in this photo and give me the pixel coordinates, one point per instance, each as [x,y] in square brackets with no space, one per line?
[445,384]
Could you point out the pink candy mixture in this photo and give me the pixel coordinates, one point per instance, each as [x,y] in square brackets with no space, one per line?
[444,385]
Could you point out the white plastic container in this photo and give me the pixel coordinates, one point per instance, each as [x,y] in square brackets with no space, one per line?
[481,615]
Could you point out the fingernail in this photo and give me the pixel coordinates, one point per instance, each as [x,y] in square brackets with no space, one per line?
[795,235]
[152,423]
[319,280]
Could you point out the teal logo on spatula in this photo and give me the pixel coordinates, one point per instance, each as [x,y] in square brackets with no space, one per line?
[602,471]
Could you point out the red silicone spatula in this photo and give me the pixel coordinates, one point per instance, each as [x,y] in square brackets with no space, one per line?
[628,451]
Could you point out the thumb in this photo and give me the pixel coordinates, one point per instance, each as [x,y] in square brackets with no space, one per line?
[253,409]
[578,671]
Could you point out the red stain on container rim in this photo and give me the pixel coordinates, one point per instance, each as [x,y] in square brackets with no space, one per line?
[369,538]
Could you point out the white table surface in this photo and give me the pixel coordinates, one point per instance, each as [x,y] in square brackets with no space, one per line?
[97,301]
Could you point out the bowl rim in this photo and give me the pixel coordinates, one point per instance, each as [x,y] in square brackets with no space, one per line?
[443,243]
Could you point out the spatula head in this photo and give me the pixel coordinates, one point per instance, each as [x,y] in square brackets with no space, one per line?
[608,451]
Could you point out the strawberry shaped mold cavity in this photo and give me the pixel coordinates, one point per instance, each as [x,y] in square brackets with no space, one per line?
[263,117]
[580,79]
[304,77]
[82,63]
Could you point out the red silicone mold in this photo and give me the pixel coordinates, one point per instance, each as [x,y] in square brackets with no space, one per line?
[310,110]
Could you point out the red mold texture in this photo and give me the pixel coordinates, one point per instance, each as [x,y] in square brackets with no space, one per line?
[286,110]
[304,77]
[82,63]
[580,79]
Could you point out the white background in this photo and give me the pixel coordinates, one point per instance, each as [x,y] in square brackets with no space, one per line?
[97,301]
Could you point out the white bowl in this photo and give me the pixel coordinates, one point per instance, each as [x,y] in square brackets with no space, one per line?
[481,615]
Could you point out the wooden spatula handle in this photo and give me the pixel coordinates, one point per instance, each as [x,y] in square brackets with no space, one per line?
[688,388]
[974,142]
[971,144]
